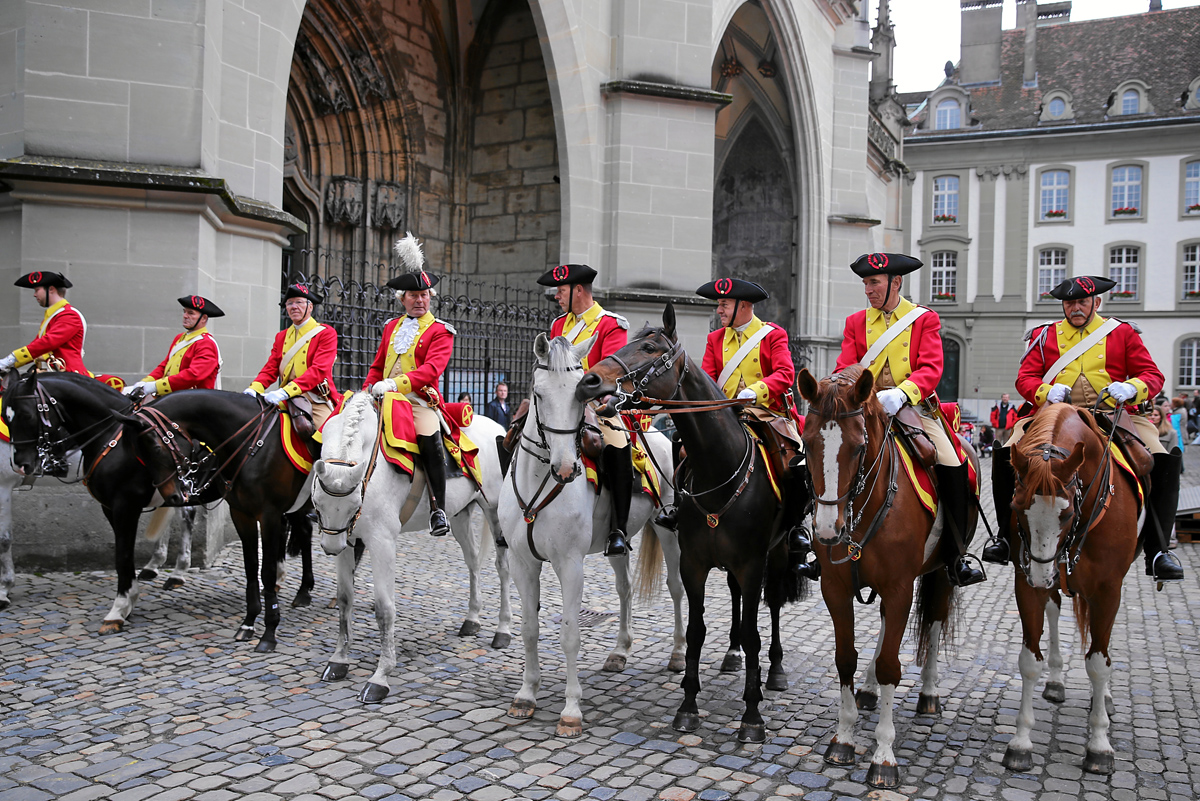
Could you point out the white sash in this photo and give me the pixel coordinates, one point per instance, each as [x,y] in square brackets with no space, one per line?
[220,361]
[741,353]
[286,361]
[64,307]
[580,324]
[1080,348]
[181,345]
[902,325]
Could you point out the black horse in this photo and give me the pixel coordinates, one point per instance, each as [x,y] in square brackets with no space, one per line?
[728,515]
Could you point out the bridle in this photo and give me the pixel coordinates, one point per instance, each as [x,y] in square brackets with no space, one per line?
[348,529]
[51,449]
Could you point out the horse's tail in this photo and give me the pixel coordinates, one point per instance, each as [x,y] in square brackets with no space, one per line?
[937,601]
[300,536]
[1083,619]
[486,535]
[158,523]
[650,566]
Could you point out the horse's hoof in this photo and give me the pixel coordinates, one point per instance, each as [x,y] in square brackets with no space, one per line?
[303,598]
[614,664]
[569,727]
[677,664]
[1020,761]
[469,628]
[173,583]
[840,753]
[864,699]
[732,662]
[244,634]
[521,709]
[335,671]
[265,646]
[501,640]
[927,705]
[752,733]
[1055,692]
[1098,763]
[777,679]
[373,693]
[686,721]
[883,776]
[147,575]
[112,626]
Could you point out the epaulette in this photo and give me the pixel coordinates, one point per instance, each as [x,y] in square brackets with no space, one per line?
[1137,328]
[621,321]
[559,317]
[447,325]
[1029,333]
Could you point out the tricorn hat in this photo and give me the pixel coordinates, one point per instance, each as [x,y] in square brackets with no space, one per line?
[1082,286]
[414,279]
[884,264]
[568,274]
[202,305]
[39,278]
[734,289]
[299,291]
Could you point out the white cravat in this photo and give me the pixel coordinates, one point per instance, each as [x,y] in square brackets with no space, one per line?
[406,334]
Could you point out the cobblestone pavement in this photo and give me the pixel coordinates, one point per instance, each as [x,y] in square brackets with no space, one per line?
[173,709]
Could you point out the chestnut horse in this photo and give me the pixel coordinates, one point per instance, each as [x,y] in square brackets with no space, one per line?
[1074,528]
[876,534]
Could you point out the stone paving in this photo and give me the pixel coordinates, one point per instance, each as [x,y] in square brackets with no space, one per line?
[173,709]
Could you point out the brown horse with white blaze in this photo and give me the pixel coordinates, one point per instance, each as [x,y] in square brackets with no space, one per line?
[1075,526]
[876,533]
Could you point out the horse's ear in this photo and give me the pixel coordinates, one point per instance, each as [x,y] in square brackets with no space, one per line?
[583,348]
[807,384]
[863,387]
[1072,462]
[137,422]
[669,320]
[541,347]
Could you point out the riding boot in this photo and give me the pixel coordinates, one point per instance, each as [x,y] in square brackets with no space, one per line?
[433,458]
[798,503]
[1161,564]
[618,464]
[954,496]
[666,517]
[1004,484]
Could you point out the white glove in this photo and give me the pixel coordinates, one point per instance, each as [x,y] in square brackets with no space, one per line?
[386,385]
[1058,393]
[892,400]
[276,396]
[148,388]
[8,362]
[747,394]
[1122,391]
[251,391]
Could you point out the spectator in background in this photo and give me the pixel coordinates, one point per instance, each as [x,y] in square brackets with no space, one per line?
[497,407]
[1004,417]
[1160,418]
[987,439]
[465,397]
[1177,407]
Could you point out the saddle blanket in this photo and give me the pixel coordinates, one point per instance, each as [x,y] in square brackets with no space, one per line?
[922,481]
[294,445]
[4,435]
[400,434]
[642,466]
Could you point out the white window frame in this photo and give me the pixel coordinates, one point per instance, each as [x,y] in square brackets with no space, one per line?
[1136,97]
[1190,273]
[1125,193]
[1058,194]
[1191,188]
[945,199]
[943,122]
[1188,362]
[1051,271]
[943,276]
[1125,267]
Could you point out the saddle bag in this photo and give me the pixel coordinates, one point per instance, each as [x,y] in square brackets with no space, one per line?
[912,434]
[299,409]
[514,428]
[1136,452]
[590,441]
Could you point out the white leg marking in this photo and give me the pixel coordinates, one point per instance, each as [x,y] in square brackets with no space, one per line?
[885,731]
[1031,671]
[122,606]
[847,717]
[1099,672]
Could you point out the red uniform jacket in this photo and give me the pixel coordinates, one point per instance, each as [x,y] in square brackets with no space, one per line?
[198,366]
[1010,417]
[923,368]
[431,356]
[611,330]
[1124,358]
[321,354]
[62,339]
[775,359]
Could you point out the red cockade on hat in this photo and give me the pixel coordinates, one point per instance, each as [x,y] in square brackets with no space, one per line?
[878,260]
[560,273]
[35,278]
[724,286]
[198,302]
[1088,284]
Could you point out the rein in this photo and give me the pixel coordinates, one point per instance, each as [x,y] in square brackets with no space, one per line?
[348,529]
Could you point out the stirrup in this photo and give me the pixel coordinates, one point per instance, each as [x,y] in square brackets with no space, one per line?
[954,571]
[809,570]
[438,526]
[616,545]
[667,517]
[1165,569]
[996,552]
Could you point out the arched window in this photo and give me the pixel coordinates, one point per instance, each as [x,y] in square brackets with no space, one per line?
[1131,102]
[943,281]
[1189,362]
[1052,270]
[945,199]
[1057,107]
[1056,188]
[949,116]
[1126,191]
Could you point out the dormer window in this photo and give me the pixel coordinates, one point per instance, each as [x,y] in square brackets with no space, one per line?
[948,117]
[1057,107]
[1131,102]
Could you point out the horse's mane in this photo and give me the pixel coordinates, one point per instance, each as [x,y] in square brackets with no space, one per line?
[87,383]
[560,358]
[1045,428]
[830,401]
[352,416]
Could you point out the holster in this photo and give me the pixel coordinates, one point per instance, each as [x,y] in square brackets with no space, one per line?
[912,434]
[1136,452]
[590,441]
[299,409]
[514,428]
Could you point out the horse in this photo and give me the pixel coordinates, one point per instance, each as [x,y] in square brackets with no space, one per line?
[732,518]
[1075,528]
[359,497]
[884,539]
[549,513]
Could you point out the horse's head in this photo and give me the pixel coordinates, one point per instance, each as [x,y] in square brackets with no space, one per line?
[1048,494]
[35,426]
[836,443]
[651,365]
[556,410]
[337,491]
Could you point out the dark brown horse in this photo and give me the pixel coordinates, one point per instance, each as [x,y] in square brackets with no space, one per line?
[728,515]
[876,534]
[1075,528]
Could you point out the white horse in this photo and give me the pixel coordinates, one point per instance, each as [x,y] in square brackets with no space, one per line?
[353,505]
[548,512]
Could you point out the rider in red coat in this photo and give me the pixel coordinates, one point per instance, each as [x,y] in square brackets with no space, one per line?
[59,343]
[193,361]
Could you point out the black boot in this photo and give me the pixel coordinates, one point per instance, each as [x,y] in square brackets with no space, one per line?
[954,488]
[618,464]
[798,505]
[667,517]
[799,547]
[1161,564]
[1004,484]
[433,458]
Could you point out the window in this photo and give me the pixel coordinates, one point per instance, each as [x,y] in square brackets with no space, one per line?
[945,199]
[1126,191]
[1057,107]
[1052,271]
[1131,102]
[1191,187]
[1191,272]
[1189,362]
[1056,186]
[944,277]
[948,116]
[1123,268]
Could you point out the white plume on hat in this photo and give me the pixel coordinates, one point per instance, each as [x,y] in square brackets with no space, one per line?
[409,252]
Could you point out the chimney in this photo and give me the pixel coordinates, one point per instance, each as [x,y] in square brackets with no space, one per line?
[1156,5]
[979,60]
[1029,10]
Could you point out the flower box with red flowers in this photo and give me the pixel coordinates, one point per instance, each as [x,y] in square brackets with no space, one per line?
[1046,296]
[1194,208]
[1127,211]
[1124,295]
[945,218]
[943,296]
[1056,214]
[1192,294]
